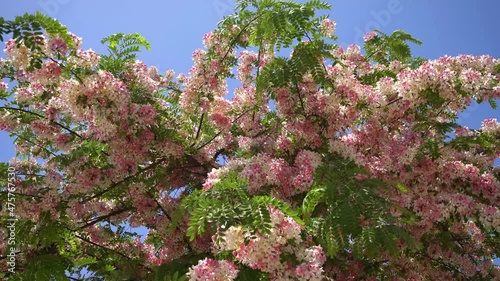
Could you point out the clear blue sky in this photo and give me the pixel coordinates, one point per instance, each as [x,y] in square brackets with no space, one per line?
[175,29]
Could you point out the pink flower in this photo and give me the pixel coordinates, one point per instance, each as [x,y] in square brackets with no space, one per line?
[3,86]
[490,126]
[213,270]
[328,27]
[221,121]
[369,36]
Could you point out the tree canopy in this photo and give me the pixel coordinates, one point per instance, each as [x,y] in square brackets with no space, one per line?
[324,163]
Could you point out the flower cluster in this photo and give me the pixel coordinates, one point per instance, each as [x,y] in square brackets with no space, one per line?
[328,27]
[213,270]
[369,36]
[265,251]
[264,170]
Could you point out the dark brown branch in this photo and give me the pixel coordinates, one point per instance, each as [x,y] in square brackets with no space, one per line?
[173,89]
[4,257]
[220,132]
[152,166]
[170,219]
[63,66]
[231,45]
[394,100]
[43,117]
[199,128]
[486,89]
[35,144]
[218,153]
[101,218]
[442,108]
[23,194]
[103,247]
[300,98]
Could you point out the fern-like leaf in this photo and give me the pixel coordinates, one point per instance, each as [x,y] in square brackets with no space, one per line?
[123,48]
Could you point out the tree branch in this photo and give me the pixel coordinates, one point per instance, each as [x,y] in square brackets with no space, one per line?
[220,132]
[199,128]
[106,248]
[23,194]
[394,100]
[152,166]
[300,98]
[35,144]
[43,117]
[101,218]
[63,66]
[231,45]
[170,219]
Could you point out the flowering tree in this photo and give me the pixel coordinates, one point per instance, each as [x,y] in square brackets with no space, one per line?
[325,164]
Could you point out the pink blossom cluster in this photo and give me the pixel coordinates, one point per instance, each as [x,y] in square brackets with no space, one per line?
[264,251]
[54,45]
[203,82]
[213,270]
[264,170]
[17,55]
[246,65]
[3,86]
[491,126]
[369,36]
[85,59]
[328,27]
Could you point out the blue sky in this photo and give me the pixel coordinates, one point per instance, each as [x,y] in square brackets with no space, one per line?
[175,29]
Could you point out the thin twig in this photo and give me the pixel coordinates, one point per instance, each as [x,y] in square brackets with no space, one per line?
[43,117]
[63,66]
[35,144]
[173,89]
[170,219]
[220,132]
[231,45]
[111,187]
[22,194]
[101,218]
[394,100]
[300,98]
[199,128]
[101,246]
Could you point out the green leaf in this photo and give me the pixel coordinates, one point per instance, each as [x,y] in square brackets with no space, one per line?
[123,48]
[493,103]
[85,261]
[369,242]
[46,267]
[329,236]
[386,48]
[312,199]
[213,208]
[401,187]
